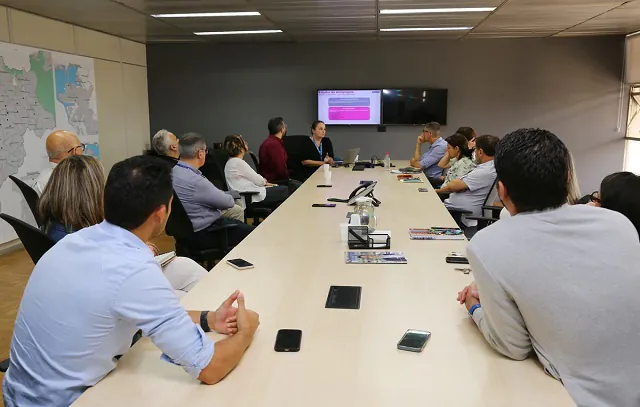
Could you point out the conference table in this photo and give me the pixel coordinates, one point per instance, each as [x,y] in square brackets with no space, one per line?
[347,357]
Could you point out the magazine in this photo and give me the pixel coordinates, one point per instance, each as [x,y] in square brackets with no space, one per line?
[374,258]
[436,234]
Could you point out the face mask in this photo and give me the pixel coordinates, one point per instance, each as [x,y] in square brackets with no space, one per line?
[474,158]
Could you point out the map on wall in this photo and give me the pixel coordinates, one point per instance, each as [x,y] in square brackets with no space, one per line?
[40,91]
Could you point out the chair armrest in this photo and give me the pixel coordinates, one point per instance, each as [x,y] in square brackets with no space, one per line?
[216,228]
[482,218]
[459,210]
[4,365]
[492,207]
[248,194]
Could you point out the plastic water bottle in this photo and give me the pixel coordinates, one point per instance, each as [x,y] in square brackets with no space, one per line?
[387,161]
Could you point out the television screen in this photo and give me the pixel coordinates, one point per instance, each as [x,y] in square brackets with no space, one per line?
[414,106]
[349,106]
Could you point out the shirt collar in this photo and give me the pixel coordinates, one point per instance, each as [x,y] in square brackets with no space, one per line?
[273,136]
[122,235]
[487,164]
[188,167]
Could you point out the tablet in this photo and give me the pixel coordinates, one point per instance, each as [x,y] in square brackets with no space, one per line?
[343,297]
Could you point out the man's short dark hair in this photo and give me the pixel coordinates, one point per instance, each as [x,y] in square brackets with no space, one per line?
[534,166]
[135,188]
[433,127]
[276,125]
[487,143]
[190,144]
[620,192]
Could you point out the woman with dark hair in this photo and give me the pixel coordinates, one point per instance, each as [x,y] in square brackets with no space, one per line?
[620,192]
[470,135]
[242,178]
[317,151]
[457,159]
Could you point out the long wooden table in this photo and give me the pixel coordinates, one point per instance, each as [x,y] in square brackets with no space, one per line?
[348,357]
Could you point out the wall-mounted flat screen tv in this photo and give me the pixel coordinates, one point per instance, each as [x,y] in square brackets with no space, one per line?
[349,107]
[414,106]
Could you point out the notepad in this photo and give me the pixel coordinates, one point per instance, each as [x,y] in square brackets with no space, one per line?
[166,258]
[412,181]
[375,258]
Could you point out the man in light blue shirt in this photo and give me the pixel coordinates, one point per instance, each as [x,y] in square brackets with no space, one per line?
[203,202]
[429,160]
[92,291]
[470,191]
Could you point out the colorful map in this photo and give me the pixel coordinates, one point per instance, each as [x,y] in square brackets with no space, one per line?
[40,91]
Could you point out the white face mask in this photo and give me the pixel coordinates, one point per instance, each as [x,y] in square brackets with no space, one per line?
[474,158]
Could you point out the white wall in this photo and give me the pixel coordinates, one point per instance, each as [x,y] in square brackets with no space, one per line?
[633,59]
[120,71]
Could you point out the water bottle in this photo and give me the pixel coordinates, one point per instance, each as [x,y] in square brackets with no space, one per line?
[387,161]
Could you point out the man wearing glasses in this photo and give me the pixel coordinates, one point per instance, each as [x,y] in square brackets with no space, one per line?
[205,204]
[428,161]
[60,145]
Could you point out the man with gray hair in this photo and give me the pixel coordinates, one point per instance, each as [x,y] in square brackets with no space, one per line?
[165,144]
[60,144]
[203,202]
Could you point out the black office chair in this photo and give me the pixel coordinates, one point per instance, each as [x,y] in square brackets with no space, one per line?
[30,195]
[36,242]
[293,146]
[187,245]
[255,161]
[254,211]
[483,221]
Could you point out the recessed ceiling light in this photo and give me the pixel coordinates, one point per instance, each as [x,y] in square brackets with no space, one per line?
[221,14]
[238,32]
[427,29]
[437,10]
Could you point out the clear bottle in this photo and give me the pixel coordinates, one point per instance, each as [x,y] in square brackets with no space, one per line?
[387,161]
[367,213]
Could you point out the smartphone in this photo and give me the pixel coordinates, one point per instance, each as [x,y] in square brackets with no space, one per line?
[423,190]
[323,186]
[288,340]
[413,340]
[323,205]
[457,258]
[240,264]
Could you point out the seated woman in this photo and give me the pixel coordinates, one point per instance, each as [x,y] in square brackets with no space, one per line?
[73,200]
[242,178]
[316,151]
[457,158]
[620,192]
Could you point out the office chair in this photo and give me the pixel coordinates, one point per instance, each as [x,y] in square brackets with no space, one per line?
[483,221]
[33,239]
[179,226]
[255,161]
[30,195]
[292,145]
[252,210]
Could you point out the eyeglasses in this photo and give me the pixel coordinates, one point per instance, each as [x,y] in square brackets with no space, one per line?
[206,150]
[82,147]
[595,197]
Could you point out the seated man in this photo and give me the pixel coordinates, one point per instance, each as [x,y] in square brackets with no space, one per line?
[91,292]
[203,202]
[558,280]
[164,144]
[273,157]
[470,191]
[60,144]
[429,160]
[620,192]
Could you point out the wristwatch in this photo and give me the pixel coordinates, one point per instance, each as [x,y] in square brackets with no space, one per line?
[204,324]
[473,308]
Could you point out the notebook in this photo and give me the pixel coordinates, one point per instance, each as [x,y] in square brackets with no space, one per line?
[412,181]
[374,258]
[166,258]
[436,234]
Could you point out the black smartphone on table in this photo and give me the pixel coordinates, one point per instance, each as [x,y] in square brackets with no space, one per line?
[323,186]
[288,340]
[323,205]
[240,264]
[414,340]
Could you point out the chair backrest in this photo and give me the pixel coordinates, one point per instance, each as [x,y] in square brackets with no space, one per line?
[30,195]
[33,239]
[254,158]
[179,225]
[211,170]
[492,196]
[292,145]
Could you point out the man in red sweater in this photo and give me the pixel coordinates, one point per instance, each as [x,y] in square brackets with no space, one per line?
[273,157]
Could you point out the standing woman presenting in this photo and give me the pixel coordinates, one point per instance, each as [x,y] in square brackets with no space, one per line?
[317,151]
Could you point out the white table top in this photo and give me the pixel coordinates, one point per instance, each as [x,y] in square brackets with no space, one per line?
[347,357]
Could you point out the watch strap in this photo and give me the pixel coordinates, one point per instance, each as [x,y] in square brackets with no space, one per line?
[204,323]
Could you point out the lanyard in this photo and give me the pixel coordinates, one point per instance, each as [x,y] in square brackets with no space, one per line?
[179,164]
[317,148]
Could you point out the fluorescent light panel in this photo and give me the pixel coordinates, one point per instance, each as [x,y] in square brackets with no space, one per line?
[221,14]
[238,32]
[426,29]
[437,10]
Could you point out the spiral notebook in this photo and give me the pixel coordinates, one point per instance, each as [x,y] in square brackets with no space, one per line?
[166,258]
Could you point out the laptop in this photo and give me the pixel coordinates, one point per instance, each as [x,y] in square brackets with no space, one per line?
[352,154]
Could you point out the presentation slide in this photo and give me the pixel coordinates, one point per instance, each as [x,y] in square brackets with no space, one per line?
[349,106]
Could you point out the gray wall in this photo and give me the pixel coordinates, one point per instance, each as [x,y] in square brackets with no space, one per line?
[568,85]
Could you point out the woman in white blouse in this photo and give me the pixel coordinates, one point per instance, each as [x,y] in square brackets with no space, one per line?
[242,178]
